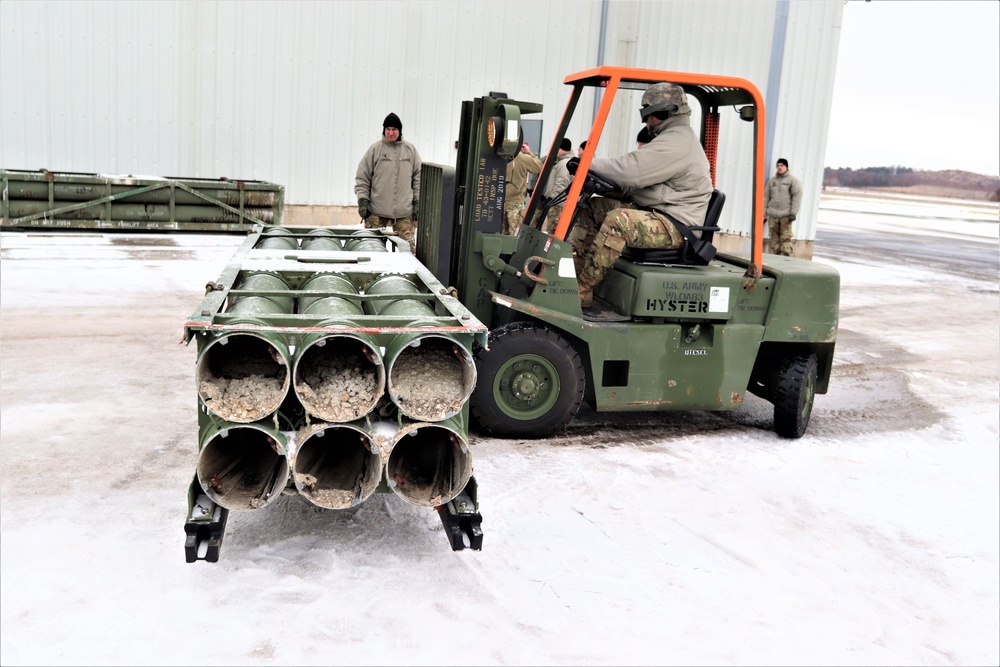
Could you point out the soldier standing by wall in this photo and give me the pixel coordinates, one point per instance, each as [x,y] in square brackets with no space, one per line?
[388,182]
[516,188]
[782,196]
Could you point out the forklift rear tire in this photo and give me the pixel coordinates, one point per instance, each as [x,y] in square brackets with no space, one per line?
[530,382]
[794,392]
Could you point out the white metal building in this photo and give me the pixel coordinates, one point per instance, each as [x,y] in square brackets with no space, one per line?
[293,92]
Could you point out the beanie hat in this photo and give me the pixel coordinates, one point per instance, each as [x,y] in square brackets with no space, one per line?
[783,161]
[566,145]
[392,120]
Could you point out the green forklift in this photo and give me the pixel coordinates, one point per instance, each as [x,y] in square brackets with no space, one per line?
[686,329]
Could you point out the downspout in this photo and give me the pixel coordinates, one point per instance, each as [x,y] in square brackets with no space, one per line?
[774,78]
[600,57]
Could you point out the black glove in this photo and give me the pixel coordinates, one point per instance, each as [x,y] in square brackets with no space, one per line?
[791,218]
[572,164]
[363,208]
[416,209]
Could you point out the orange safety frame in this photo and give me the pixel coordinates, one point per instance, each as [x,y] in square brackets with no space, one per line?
[610,79]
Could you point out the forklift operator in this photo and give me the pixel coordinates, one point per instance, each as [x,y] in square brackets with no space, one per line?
[668,182]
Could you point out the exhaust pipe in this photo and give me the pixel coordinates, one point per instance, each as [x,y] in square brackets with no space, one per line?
[242,467]
[429,464]
[336,466]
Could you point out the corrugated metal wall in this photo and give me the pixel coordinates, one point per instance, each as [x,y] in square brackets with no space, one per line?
[294,92]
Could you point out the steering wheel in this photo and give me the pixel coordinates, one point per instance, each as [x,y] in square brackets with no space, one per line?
[602,186]
[596,184]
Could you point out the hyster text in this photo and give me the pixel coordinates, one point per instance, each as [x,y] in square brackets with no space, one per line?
[677,306]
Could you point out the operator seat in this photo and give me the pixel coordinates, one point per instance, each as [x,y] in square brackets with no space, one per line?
[686,254]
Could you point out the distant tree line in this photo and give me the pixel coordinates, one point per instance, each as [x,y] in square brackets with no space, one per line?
[948,183]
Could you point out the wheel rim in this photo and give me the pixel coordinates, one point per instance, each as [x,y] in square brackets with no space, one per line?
[809,392]
[526,387]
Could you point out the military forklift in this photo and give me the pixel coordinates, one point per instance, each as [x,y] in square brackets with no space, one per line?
[684,329]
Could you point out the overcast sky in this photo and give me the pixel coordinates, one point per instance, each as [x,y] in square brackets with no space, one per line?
[917,85]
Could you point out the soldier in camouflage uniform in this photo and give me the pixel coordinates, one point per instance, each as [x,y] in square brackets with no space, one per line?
[782,196]
[388,183]
[516,190]
[669,176]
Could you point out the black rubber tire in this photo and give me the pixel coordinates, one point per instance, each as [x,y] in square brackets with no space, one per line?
[530,383]
[794,393]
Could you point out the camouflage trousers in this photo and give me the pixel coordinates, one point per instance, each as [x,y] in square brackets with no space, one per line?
[406,228]
[512,215]
[780,242]
[598,248]
[551,219]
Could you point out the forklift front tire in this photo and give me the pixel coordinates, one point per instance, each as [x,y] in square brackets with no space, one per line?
[530,382]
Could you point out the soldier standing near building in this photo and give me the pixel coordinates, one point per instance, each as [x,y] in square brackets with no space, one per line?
[516,188]
[558,180]
[669,178]
[388,183]
[782,196]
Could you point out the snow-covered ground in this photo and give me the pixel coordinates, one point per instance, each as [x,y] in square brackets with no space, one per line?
[672,538]
[933,216]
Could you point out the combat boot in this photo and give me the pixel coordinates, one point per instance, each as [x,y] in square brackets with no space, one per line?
[586,288]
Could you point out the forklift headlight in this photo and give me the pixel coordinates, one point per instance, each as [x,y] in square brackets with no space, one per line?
[491,131]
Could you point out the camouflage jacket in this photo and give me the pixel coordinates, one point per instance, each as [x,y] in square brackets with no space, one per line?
[389,178]
[782,196]
[669,174]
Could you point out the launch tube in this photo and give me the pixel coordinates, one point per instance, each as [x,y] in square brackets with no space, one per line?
[77,192]
[365,240]
[395,284]
[336,466]
[338,377]
[243,376]
[342,304]
[277,238]
[134,212]
[429,464]
[429,376]
[242,467]
[322,239]
[261,281]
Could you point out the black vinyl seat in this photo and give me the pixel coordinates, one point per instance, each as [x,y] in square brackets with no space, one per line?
[686,254]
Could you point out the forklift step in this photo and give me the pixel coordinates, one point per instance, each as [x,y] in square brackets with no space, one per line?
[603,312]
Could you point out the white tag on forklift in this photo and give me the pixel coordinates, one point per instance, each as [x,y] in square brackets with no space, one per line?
[718,300]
